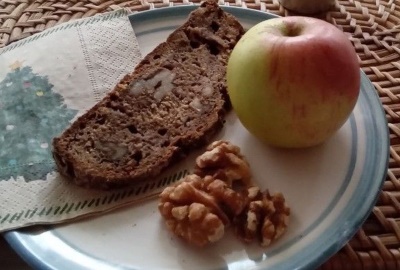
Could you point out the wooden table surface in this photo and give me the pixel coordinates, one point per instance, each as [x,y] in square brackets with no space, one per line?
[9,260]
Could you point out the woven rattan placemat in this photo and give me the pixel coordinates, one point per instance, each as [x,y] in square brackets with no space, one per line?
[374,29]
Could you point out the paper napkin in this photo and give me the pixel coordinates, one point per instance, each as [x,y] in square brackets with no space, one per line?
[47,81]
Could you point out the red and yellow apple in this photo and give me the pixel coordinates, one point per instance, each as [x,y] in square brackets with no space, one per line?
[293,81]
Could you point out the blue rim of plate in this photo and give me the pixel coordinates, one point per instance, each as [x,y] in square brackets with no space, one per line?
[377,139]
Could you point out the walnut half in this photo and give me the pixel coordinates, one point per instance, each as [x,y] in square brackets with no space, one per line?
[196,208]
[223,160]
[265,218]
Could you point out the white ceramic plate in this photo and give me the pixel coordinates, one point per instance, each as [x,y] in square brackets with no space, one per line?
[330,189]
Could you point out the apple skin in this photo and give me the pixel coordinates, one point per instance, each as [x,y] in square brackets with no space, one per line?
[293,81]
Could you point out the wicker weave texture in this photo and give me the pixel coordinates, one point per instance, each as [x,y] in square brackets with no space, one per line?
[373,27]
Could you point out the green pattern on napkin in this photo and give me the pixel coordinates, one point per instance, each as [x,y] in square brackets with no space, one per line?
[31,115]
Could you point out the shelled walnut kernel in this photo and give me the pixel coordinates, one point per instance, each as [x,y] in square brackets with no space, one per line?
[223,160]
[220,194]
[265,218]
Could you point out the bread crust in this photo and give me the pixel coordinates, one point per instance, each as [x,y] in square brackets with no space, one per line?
[173,102]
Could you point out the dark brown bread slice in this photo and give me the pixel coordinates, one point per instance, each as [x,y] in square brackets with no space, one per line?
[173,102]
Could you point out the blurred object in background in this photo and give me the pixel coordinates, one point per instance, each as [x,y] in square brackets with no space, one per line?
[308,7]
